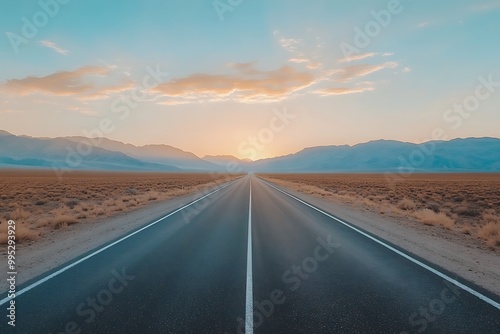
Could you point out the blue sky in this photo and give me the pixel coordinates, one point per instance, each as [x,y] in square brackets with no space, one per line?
[227,78]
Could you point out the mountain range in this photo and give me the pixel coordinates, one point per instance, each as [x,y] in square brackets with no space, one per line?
[457,155]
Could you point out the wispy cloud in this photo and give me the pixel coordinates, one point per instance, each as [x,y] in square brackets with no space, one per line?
[290,44]
[299,60]
[423,24]
[300,53]
[352,72]
[246,85]
[53,46]
[342,90]
[362,56]
[356,57]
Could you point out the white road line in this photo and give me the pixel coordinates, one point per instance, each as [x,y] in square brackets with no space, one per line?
[249,301]
[54,274]
[406,256]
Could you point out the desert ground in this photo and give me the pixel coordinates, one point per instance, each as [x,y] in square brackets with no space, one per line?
[40,203]
[463,204]
[97,208]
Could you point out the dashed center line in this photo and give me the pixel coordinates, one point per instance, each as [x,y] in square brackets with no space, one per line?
[249,294]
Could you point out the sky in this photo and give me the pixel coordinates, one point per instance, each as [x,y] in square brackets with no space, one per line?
[253,79]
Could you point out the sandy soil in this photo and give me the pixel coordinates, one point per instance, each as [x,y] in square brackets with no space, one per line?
[461,254]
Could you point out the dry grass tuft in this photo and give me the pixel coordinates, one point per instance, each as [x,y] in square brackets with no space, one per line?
[23,233]
[491,233]
[407,204]
[429,217]
[62,221]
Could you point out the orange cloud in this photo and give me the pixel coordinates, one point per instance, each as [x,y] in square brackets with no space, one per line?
[80,83]
[248,85]
[60,83]
[105,91]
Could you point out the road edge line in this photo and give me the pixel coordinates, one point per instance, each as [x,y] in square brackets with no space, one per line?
[406,256]
[71,265]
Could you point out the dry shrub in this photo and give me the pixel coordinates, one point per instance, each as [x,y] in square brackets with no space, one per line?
[132,191]
[407,204]
[491,233]
[466,230]
[153,195]
[23,233]
[429,217]
[434,207]
[62,221]
[467,211]
[489,216]
[119,206]
[19,214]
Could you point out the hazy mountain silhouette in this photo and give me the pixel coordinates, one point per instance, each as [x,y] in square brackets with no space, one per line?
[160,154]
[458,155]
[470,154]
[24,151]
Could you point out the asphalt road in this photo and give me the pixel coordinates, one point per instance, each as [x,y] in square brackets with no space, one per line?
[300,270]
